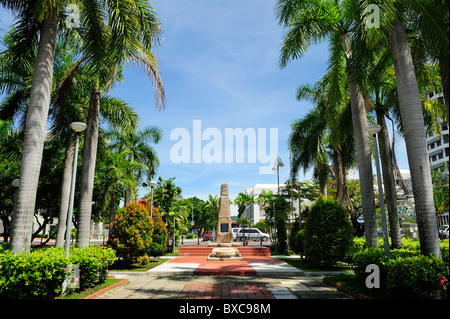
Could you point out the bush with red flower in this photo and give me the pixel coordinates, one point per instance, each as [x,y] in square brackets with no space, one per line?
[134,234]
[131,232]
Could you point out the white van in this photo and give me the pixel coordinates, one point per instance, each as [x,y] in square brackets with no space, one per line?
[251,234]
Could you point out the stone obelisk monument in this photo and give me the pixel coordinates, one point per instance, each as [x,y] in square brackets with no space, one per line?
[224,232]
[224,237]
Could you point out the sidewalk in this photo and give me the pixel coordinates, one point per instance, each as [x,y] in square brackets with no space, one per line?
[252,278]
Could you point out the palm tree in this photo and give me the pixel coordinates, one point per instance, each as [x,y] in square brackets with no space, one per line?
[242,200]
[165,194]
[47,15]
[392,32]
[314,20]
[68,102]
[127,36]
[140,151]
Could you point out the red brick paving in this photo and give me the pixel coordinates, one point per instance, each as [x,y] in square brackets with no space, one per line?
[225,291]
[225,269]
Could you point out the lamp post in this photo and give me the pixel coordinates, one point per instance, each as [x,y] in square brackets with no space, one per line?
[276,167]
[78,127]
[274,225]
[152,184]
[299,206]
[373,130]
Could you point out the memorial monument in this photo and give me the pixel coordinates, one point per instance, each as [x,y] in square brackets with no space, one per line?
[224,237]
[224,232]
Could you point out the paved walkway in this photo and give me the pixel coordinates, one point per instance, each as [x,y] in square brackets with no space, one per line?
[251,278]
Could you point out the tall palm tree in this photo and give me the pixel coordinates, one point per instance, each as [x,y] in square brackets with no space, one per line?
[47,14]
[314,20]
[392,32]
[125,31]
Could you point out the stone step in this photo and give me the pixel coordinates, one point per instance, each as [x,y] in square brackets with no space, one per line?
[205,251]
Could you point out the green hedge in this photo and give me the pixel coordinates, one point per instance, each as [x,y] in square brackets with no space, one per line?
[41,273]
[406,273]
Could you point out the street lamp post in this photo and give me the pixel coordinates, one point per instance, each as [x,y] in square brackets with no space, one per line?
[78,127]
[274,225]
[299,207]
[373,130]
[276,167]
[152,184]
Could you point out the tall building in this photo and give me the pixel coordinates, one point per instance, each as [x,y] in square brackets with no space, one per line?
[438,146]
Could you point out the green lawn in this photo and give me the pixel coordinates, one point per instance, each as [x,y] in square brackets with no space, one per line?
[90,291]
[302,264]
[349,281]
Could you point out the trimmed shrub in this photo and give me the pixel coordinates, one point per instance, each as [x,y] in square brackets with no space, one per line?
[403,274]
[40,274]
[282,246]
[93,264]
[293,243]
[328,232]
[300,240]
[415,277]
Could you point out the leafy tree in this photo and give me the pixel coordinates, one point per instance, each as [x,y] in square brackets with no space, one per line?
[328,232]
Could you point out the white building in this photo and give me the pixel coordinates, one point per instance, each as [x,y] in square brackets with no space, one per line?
[438,146]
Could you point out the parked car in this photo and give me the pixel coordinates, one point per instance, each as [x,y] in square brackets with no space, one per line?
[252,234]
[208,236]
[235,233]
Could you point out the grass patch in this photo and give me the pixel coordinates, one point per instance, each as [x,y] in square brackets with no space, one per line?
[350,282]
[304,265]
[90,291]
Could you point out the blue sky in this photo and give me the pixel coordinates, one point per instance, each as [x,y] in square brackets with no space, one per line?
[219,64]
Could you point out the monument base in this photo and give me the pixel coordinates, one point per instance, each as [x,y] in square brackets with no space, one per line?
[225,254]
[214,244]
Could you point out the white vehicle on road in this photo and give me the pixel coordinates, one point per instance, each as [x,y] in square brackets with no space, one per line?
[251,234]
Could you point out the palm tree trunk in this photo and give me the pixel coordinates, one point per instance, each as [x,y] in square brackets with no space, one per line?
[362,145]
[340,176]
[35,134]
[416,147]
[363,155]
[388,180]
[88,170]
[65,194]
